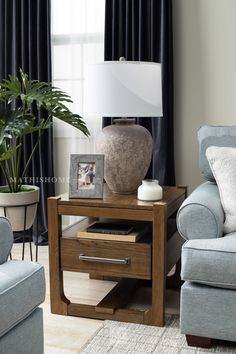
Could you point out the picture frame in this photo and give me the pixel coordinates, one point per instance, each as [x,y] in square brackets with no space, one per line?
[86,176]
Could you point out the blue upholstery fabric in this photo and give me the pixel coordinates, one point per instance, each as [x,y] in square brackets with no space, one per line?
[22,289]
[208,312]
[208,296]
[201,215]
[213,136]
[26,337]
[211,262]
[6,239]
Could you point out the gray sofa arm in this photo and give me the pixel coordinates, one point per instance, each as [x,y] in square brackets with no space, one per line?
[6,239]
[201,215]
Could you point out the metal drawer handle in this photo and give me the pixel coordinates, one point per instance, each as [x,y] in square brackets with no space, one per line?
[82,257]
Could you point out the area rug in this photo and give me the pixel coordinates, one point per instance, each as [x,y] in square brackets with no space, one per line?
[122,337]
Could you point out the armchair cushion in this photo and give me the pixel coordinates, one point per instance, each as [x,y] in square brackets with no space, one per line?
[213,136]
[6,239]
[201,215]
[222,161]
[22,289]
[208,312]
[211,262]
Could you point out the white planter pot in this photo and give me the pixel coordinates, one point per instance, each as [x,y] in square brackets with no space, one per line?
[20,208]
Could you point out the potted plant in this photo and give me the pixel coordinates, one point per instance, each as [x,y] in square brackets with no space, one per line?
[20,100]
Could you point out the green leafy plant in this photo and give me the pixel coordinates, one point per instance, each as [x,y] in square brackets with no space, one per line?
[27,97]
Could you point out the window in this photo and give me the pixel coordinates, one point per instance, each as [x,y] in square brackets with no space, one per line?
[77,40]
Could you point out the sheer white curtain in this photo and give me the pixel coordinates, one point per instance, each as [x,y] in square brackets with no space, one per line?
[77,40]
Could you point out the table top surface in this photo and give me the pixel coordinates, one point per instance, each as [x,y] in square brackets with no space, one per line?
[112,200]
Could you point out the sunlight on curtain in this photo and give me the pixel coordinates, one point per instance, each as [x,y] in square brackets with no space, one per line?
[77,40]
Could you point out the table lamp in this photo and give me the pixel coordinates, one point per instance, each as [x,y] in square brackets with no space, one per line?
[122,90]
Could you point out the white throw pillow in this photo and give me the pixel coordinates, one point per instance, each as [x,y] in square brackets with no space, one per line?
[222,161]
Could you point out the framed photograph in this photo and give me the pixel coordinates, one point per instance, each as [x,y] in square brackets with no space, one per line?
[86,176]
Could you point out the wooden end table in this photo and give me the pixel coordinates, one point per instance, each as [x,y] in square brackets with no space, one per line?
[144,260]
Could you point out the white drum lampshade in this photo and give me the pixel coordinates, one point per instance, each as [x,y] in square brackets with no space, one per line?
[124,89]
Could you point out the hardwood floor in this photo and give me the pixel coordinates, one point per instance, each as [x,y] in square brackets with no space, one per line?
[67,334]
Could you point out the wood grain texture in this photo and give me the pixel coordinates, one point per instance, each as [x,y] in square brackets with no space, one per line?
[139,254]
[126,315]
[104,212]
[147,259]
[58,300]
[156,314]
[130,201]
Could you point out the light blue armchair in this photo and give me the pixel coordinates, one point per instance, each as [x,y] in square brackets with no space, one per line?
[22,289]
[208,296]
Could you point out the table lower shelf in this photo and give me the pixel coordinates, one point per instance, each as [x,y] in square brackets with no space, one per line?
[114,305]
[128,300]
[124,315]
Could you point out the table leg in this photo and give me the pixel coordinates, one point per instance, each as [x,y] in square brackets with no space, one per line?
[59,303]
[157,311]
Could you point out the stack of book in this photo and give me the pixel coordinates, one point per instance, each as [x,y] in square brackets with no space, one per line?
[113,231]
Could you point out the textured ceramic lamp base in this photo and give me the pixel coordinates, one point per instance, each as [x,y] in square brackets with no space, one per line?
[128,150]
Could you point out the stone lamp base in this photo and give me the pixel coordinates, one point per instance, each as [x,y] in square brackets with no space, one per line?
[128,150]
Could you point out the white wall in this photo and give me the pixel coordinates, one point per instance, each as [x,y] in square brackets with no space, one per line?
[205,76]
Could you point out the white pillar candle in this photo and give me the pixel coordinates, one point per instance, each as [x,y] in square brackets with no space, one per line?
[150,190]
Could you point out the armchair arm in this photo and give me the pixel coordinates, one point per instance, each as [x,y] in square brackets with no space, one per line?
[6,239]
[201,215]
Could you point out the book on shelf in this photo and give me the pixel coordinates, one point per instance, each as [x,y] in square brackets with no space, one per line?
[137,232]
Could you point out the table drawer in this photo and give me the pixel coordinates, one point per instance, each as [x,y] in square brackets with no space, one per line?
[121,259]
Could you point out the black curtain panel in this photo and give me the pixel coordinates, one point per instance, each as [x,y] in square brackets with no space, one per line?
[142,30]
[25,43]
